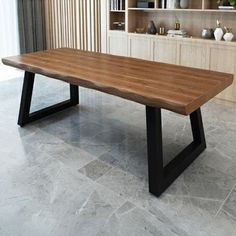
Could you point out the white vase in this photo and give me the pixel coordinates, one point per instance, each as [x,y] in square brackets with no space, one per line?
[184,4]
[228,36]
[218,33]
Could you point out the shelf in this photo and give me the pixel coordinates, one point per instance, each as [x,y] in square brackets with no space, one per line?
[181,10]
[117,11]
[187,39]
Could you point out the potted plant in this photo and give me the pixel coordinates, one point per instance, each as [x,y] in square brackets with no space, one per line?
[232,3]
[226,2]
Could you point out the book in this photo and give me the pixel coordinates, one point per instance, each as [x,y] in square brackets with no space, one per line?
[226,7]
[163,4]
[111,5]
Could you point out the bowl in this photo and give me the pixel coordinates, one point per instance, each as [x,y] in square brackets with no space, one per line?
[140,30]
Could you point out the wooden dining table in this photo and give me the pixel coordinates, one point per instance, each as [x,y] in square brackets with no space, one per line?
[180,89]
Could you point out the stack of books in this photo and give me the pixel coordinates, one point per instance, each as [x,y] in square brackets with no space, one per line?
[177,33]
[117,5]
[226,7]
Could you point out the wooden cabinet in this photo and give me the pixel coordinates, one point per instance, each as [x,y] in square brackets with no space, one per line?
[192,55]
[139,46]
[165,50]
[117,43]
[223,59]
[197,53]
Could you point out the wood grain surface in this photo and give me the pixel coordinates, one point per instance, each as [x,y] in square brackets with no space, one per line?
[176,88]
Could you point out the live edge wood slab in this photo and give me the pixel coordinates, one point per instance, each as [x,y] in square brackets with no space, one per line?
[156,85]
[176,88]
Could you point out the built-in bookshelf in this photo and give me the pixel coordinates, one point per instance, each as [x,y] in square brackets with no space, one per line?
[193,51]
[117,5]
[199,14]
[117,12]
[175,4]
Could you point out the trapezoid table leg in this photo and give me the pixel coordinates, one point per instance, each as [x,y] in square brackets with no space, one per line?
[160,177]
[26,117]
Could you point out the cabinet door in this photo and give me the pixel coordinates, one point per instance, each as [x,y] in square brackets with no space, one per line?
[222,59]
[140,47]
[165,50]
[193,55]
[117,43]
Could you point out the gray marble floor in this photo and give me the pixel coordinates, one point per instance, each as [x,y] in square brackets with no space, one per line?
[84,171]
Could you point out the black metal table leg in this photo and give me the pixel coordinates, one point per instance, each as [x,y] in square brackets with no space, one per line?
[26,117]
[161,177]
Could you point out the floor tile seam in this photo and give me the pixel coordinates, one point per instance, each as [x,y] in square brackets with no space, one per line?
[52,136]
[226,212]
[96,159]
[225,200]
[194,197]
[129,199]
[107,172]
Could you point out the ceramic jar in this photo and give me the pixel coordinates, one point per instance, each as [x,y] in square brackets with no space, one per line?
[207,33]
[184,4]
[228,36]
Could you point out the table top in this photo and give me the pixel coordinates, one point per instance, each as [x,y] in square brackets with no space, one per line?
[176,88]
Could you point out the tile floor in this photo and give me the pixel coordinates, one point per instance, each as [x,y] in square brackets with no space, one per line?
[84,171]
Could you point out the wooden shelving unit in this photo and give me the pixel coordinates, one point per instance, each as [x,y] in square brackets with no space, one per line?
[192,51]
[199,15]
[180,10]
[117,15]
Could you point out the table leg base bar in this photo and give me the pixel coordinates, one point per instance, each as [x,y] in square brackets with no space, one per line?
[26,117]
[160,177]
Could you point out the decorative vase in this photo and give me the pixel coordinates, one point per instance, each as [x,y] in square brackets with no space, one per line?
[151,28]
[218,33]
[184,4]
[207,33]
[228,36]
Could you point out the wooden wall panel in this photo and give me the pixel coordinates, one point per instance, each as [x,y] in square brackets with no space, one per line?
[74,23]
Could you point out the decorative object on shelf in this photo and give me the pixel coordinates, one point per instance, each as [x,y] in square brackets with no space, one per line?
[163,4]
[170,4]
[222,2]
[184,4]
[145,4]
[177,4]
[207,33]
[177,24]
[140,30]
[177,33]
[119,25]
[151,28]
[228,35]
[226,4]
[117,5]
[218,33]
[162,30]
[232,3]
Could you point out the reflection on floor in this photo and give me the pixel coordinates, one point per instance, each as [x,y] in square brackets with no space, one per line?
[84,170]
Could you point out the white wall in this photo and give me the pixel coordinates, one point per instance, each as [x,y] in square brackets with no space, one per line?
[9,39]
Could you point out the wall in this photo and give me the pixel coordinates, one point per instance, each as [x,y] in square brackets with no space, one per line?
[74,23]
[9,39]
